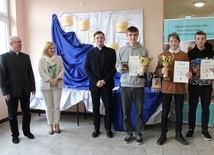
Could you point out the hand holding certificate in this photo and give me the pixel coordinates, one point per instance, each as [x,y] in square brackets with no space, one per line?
[207,67]
[181,72]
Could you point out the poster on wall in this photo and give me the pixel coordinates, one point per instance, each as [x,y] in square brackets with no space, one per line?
[112,23]
[186,28]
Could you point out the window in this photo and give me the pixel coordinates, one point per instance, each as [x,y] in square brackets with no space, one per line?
[4,26]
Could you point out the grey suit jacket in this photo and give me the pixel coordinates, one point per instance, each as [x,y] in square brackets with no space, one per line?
[16,77]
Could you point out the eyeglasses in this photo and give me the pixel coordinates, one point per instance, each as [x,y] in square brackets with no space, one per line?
[18,42]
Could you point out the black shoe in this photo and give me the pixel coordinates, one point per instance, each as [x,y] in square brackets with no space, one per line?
[29,135]
[95,133]
[50,132]
[109,134]
[179,137]
[206,135]
[58,131]
[190,134]
[139,139]
[162,139]
[128,138]
[15,140]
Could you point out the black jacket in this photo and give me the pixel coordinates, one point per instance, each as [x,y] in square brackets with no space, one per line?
[96,72]
[16,77]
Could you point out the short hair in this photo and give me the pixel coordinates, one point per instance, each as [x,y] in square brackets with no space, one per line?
[99,32]
[201,33]
[174,35]
[11,39]
[48,44]
[132,29]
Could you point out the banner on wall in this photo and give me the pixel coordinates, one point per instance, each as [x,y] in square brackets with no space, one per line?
[186,28]
[113,23]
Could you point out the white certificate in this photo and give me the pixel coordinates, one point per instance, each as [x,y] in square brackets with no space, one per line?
[181,68]
[134,66]
[205,71]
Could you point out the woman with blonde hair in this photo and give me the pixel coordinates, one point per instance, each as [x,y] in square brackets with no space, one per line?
[51,70]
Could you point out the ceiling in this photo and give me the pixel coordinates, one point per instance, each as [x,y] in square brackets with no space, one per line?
[181,8]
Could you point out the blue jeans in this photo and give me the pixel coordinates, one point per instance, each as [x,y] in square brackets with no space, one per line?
[204,92]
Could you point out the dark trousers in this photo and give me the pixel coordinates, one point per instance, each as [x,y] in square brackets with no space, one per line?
[166,103]
[106,96]
[204,92]
[12,105]
[131,95]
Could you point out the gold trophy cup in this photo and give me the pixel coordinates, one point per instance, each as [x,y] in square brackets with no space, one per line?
[166,61]
[144,62]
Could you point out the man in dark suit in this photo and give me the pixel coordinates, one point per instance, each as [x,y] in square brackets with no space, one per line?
[100,68]
[17,82]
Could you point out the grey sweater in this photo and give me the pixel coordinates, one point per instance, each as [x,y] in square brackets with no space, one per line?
[123,55]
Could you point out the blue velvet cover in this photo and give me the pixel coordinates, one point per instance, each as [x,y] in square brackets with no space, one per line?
[73,54]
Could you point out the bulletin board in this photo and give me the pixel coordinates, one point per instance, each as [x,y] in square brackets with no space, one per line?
[112,23]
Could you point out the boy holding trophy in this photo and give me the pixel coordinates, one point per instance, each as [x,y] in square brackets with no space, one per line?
[132,86]
[165,69]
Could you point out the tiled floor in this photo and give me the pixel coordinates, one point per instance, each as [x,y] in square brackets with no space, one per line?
[77,140]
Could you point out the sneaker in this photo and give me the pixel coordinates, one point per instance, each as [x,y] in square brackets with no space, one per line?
[128,139]
[190,134]
[206,135]
[139,139]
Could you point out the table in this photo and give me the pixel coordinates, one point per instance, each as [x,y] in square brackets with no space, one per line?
[151,113]
[70,97]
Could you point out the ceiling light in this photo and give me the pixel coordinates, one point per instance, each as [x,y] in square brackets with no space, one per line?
[199,4]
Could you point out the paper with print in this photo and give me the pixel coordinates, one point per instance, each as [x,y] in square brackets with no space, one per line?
[181,68]
[206,66]
[134,66]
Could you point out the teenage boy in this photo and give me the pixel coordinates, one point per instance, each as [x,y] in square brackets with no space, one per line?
[132,87]
[199,87]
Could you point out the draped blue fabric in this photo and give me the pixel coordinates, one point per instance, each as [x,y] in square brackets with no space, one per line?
[73,54]
[152,100]
[117,79]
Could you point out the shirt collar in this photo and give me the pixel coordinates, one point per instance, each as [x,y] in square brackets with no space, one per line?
[17,53]
[100,48]
[174,51]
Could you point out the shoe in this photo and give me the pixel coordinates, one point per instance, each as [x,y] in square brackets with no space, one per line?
[29,135]
[139,139]
[58,131]
[179,137]
[109,134]
[128,139]
[50,132]
[162,139]
[95,133]
[190,134]
[57,128]
[15,140]
[206,135]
